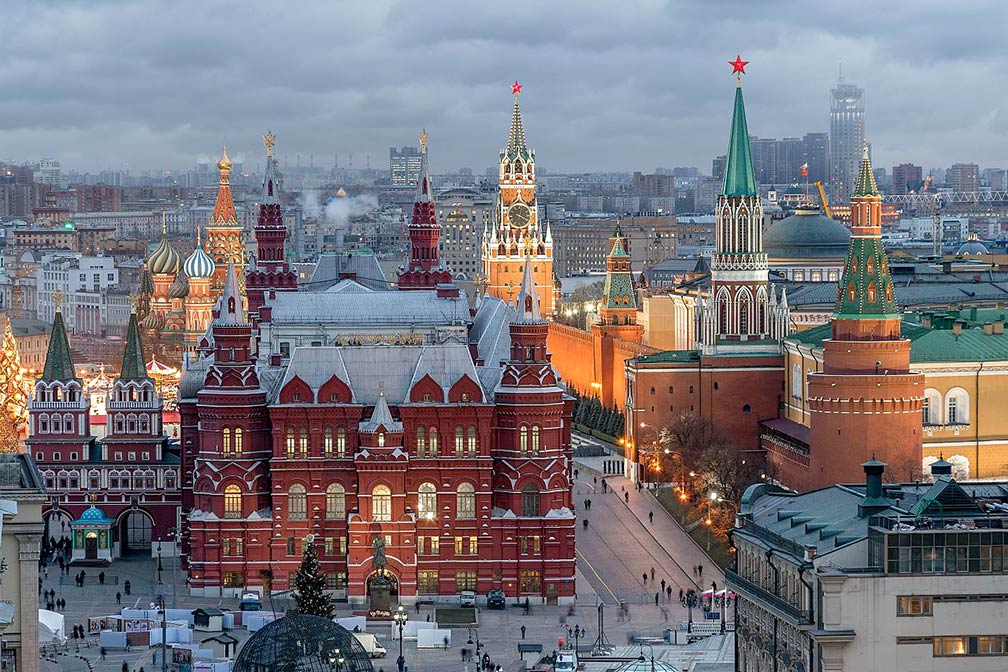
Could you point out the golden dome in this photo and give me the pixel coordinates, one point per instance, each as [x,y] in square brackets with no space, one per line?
[224,163]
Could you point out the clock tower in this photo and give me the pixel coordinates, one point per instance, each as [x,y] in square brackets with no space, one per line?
[518,236]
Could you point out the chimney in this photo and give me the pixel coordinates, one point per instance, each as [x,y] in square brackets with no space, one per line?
[988,328]
[873,501]
[810,552]
[998,325]
[957,327]
[940,468]
[926,320]
[973,314]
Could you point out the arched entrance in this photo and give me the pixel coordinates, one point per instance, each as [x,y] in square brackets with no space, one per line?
[57,523]
[135,533]
[388,576]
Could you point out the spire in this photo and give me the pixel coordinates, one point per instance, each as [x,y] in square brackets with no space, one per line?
[528,297]
[58,365]
[739,176]
[231,309]
[865,185]
[382,416]
[516,137]
[133,362]
[424,188]
[271,180]
[224,209]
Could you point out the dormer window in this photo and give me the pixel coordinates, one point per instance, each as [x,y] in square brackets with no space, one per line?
[427,396]
[381,439]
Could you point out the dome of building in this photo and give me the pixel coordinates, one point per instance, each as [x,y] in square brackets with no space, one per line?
[164,259]
[199,264]
[153,321]
[646,664]
[807,234]
[94,515]
[180,288]
[302,643]
[972,246]
[224,163]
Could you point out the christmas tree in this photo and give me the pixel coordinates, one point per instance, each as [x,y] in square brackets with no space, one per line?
[309,584]
[13,399]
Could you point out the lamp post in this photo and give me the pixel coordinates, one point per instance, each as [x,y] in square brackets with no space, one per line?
[654,446]
[159,565]
[400,617]
[336,660]
[478,644]
[713,498]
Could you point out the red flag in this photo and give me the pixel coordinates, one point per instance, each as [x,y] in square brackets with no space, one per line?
[804,170]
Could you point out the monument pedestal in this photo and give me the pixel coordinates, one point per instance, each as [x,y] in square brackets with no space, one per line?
[380,599]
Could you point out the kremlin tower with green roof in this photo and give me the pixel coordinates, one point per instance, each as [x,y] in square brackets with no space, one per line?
[741,312]
[866,401]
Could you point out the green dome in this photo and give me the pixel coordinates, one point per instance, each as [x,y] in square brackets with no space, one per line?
[807,234]
[164,259]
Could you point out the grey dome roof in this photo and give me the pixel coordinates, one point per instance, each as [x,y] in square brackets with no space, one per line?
[972,246]
[644,664]
[807,234]
[302,643]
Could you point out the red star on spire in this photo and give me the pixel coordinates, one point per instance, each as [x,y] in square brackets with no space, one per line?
[738,65]
[516,88]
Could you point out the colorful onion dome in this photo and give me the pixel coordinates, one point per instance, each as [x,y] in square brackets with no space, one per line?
[199,264]
[164,259]
[224,163]
[154,321]
[180,288]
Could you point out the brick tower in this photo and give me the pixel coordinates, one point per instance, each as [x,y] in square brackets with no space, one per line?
[224,234]
[424,270]
[865,401]
[518,234]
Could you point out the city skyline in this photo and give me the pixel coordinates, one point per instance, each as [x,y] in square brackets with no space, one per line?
[600,103]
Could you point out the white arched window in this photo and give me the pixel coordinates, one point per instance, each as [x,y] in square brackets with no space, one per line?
[421,441]
[327,443]
[956,407]
[465,501]
[226,441]
[340,442]
[335,502]
[796,381]
[459,441]
[381,504]
[932,408]
[427,501]
[232,502]
[297,502]
[472,445]
[239,441]
[536,431]
[523,441]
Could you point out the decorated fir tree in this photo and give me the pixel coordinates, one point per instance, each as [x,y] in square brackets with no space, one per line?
[13,398]
[309,584]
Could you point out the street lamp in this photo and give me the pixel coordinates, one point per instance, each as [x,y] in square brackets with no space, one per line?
[710,533]
[336,659]
[478,644]
[400,617]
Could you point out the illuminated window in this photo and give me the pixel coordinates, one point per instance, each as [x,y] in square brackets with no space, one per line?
[297,502]
[459,441]
[872,293]
[226,441]
[304,442]
[427,501]
[465,501]
[327,442]
[421,441]
[232,502]
[340,442]
[523,441]
[381,504]
[535,439]
[472,447]
[335,502]
[529,581]
[290,442]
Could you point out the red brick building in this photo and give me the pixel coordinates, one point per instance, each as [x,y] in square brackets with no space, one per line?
[351,414]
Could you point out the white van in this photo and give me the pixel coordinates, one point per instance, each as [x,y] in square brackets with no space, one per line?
[467,598]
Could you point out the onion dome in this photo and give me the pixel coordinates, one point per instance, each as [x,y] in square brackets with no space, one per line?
[972,246]
[224,163]
[199,264]
[164,260]
[807,234]
[154,321]
[180,288]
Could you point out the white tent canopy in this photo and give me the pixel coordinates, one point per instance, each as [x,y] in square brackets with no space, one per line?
[50,627]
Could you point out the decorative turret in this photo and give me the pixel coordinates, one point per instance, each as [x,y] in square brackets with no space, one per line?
[516,147]
[424,269]
[199,265]
[134,366]
[59,365]
[527,303]
[133,410]
[619,300]
[224,233]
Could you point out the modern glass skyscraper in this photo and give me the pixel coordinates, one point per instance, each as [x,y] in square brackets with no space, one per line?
[846,137]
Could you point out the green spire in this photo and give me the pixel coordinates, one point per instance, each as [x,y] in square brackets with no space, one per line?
[866,287]
[739,176]
[618,292]
[865,185]
[134,366]
[58,365]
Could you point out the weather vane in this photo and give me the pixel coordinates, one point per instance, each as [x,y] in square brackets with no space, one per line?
[738,67]
[58,300]
[423,139]
[269,139]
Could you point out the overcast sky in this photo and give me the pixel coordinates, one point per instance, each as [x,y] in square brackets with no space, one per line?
[620,85]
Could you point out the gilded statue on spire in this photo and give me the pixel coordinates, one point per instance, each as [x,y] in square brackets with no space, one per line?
[269,139]
[58,300]
[423,140]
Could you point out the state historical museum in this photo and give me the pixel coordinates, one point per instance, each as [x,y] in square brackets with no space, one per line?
[340,416]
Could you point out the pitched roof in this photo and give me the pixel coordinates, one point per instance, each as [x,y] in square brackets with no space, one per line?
[59,365]
[134,365]
[865,185]
[528,297]
[516,147]
[739,176]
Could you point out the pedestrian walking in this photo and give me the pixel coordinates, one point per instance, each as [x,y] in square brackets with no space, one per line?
[626,496]
[700,571]
[668,591]
[589,503]
[126,586]
[465,654]
[523,631]
[103,653]
[417,605]
[652,572]
[656,596]
[446,643]
[125,666]
[101,578]
[575,474]
[694,572]
[595,481]
[650,516]
[663,585]
[644,577]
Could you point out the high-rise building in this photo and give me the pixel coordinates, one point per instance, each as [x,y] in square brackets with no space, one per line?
[764,160]
[906,178]
[717,167]
[963,177]
[847,132]
[49,172]
[652,186]
[518,235]
[996,178]
[463,214]
[404,166]
[817,156]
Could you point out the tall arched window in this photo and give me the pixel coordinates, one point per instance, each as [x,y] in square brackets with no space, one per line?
[523,441]
[381,439]
[297,502]
[957,407]
[340,442]
[169,479]
[226,441]
[432,437]
[535,439]
[327,442]
[303,442]
[232,502]
[465,501]
[530,500]
[239,441]
[57,424]
[145,424]
[743,308]
[932,409]
[421,441]
[335,502]
[472,444]
[290,442]
[381,504]
[459,441]
[427,501]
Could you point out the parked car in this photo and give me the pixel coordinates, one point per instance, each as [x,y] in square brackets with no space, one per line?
[467,598]
[496,599]
[250,601]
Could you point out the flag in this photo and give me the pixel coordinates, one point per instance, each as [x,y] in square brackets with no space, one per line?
[804,170]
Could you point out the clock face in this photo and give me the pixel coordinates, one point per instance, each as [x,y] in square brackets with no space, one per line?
[519,215]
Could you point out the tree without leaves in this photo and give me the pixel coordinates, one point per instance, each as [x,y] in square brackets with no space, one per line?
[309,584]
[690,436]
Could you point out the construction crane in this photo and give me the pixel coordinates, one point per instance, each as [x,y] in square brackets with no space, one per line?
[822,198]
